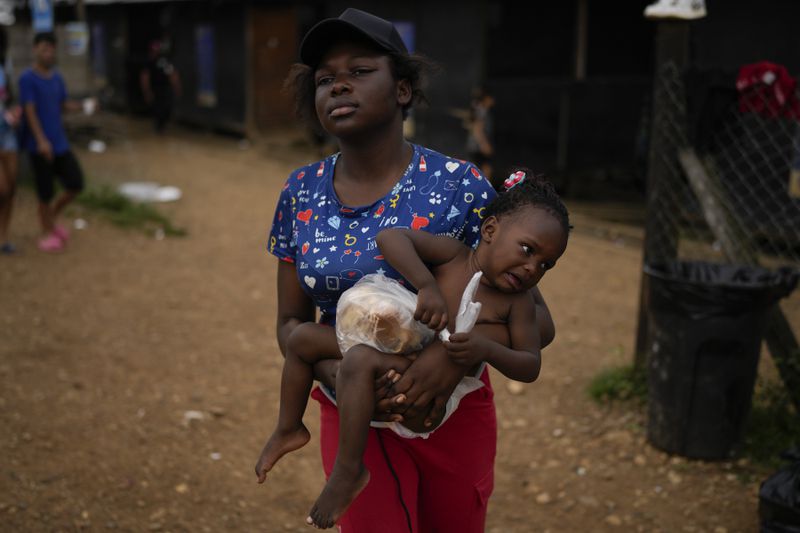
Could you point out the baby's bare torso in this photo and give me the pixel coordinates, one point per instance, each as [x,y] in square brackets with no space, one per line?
[452,278]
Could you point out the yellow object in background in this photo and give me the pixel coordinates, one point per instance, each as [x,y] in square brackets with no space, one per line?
[794,183]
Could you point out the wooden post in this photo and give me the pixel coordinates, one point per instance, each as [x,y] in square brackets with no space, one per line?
[80,10]
[250,128]
[565,101]
[80,15]
[581,39]
[661,234]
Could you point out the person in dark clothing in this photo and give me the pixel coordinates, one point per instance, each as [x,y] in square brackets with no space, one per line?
[160,85]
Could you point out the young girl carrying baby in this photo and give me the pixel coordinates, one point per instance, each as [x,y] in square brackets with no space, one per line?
[523,234]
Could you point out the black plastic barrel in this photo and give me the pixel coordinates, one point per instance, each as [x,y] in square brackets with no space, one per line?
[705,326]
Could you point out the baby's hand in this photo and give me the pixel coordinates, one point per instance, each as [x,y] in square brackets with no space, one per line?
[467,349]
[431,308]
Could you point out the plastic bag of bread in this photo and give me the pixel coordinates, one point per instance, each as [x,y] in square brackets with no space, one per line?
[379,312]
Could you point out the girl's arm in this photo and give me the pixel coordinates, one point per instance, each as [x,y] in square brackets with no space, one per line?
[521,361]
[43,146]
[296,308]
[294,305]
[408,251]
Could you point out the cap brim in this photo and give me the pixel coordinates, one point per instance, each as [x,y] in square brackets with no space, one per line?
[320,38]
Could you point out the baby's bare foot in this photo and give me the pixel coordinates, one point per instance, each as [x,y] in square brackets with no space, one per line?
[278,445]
[339,492]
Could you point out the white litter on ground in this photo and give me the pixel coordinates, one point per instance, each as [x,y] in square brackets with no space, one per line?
[97,146]
[148,191]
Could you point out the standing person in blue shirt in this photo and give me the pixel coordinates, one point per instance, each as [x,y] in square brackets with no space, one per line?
[43,96]
[358,82]
[9,117]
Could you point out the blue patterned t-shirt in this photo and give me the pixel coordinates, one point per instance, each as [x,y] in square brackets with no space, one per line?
[333,245]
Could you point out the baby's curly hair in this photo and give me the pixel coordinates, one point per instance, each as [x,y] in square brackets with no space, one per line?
[534,190]
[300,84]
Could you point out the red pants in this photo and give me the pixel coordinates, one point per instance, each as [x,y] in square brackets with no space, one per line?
[445,480]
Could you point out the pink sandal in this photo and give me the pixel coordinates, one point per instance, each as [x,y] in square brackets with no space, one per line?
[61,232]
[51,243]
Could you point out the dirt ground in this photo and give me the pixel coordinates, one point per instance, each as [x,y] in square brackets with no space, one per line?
[139,377]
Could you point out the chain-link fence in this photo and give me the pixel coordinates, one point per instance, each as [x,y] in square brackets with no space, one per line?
[724,187]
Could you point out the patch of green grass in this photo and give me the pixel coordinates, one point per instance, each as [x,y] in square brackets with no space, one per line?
[772,427]
[623,383]
[126,213]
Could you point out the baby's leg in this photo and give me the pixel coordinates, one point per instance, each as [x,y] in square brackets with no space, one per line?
[290,433]
[355,398]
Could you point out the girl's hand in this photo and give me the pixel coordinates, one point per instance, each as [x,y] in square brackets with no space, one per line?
[384,384]
[431,308]
[13,116]
[385,397]
[468,349]
[427,384]
[45,149]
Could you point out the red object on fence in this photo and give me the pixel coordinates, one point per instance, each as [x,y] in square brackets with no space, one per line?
[767,89]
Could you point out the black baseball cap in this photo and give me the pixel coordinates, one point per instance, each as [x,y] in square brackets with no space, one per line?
[44,37]
[355,22]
